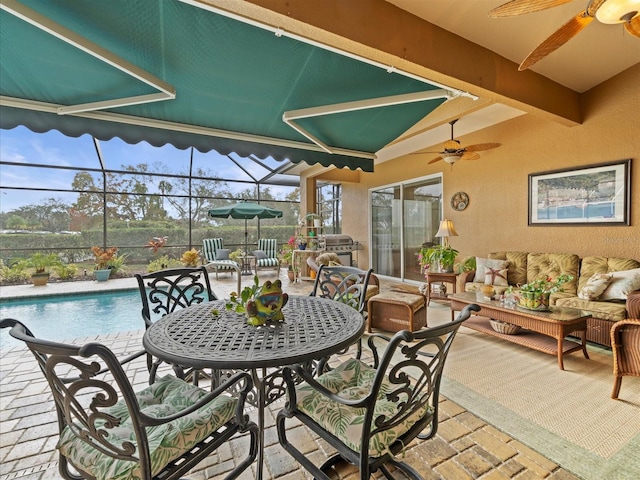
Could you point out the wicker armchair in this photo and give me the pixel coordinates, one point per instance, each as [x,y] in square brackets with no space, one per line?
[108,431]
[167,290]
[370,413]
[625,342]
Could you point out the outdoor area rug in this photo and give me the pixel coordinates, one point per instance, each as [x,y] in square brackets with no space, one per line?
[567,415]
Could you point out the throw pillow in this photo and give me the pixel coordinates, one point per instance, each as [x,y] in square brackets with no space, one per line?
[595,286]
[260,254]
[622,283]
[222,254]
[496,276]
[483,263]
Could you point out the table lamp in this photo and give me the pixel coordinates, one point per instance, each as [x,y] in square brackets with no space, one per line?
[446,230]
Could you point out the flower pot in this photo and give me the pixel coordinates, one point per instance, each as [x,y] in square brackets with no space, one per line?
[302,246]
[292,275]
[102,275]
[317,222]
[40,279]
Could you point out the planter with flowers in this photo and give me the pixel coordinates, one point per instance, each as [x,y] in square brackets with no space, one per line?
[535,295]
[286,257]
[103,259]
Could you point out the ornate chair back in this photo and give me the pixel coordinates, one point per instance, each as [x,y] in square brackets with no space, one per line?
[109,431]
[370,412]
[343,284]
[165,291]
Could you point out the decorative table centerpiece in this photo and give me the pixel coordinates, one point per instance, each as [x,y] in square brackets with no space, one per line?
[535,295]
[259,303]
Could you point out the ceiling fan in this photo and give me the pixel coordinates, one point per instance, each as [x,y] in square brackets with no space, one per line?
[606,11]
[452,151]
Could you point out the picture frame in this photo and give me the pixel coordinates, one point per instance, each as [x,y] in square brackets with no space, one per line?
[598,194]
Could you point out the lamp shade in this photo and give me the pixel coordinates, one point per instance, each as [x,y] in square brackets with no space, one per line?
[446,229]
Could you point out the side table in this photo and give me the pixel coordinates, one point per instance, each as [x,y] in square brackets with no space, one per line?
[439,277]
[247,262]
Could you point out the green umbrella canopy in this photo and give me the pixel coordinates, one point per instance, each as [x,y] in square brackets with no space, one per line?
[245,210]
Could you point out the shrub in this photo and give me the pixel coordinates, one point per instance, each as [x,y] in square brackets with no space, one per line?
[163,262]
[66,272]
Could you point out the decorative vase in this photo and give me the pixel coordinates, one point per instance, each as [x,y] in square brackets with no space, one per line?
[102,275]
[39,279]
[292,275]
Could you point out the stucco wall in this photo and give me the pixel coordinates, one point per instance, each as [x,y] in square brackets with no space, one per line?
[497,184]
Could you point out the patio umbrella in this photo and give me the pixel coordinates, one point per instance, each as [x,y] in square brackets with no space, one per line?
[245,210]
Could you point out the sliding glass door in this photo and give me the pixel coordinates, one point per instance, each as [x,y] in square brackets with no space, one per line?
[403,217]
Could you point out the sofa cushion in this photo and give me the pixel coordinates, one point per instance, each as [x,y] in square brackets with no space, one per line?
[482,264]
[612,310]
[622,284]
[496,276]
[517,270]
[551,265]
[595,264]
[595,286]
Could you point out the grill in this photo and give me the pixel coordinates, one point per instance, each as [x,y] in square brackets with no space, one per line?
[342,245]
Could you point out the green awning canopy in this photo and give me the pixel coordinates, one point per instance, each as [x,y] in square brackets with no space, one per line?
[170,72]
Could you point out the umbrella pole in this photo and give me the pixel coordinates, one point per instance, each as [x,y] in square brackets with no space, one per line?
[246,264]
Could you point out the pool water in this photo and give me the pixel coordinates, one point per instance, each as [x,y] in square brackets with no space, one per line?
[73,316]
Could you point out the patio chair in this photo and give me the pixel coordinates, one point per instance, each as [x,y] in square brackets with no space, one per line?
[267,254]
[343,284]
[217,256]
[370,413]
[625,343]
[108,431]
[165,291]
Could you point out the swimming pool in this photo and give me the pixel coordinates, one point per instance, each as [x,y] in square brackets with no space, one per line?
[65,317]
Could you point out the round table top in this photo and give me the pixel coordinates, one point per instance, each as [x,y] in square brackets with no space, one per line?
[197,337]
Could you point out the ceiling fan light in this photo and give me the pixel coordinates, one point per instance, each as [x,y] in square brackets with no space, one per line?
[451,159]
[616,11]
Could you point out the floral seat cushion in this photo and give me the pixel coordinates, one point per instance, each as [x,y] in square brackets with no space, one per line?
[167,442]
[352,380]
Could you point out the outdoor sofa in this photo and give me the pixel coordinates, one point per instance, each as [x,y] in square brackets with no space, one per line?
[606,287]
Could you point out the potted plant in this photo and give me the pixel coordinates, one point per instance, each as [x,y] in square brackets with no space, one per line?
[103,261]
[191,258]
[439,258]
[535,295]
[41,263]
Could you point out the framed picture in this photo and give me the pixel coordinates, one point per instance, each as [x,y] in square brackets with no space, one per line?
[592,195]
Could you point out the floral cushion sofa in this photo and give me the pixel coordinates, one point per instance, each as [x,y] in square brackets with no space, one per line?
[608,288]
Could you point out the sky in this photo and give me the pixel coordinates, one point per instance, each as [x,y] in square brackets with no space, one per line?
[21,145]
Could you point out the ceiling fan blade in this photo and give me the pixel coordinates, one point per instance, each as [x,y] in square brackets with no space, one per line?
[482,146]
[633,26]
[470,156]
[437,159]
[557,39]
[520,7]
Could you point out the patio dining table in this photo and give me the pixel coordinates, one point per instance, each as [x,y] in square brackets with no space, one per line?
[207,336]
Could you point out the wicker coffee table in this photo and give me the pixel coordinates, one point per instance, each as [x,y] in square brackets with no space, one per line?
[544,331]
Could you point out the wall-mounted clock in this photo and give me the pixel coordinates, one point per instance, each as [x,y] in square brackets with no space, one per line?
[459,201]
